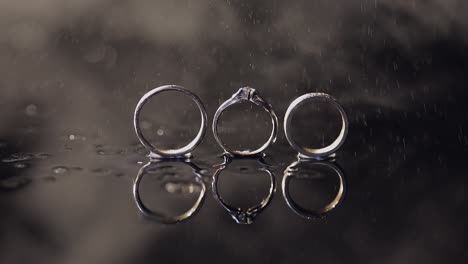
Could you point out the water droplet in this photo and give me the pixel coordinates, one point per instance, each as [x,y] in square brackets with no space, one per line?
[17,157]
[31,110]
[60,170]
[108,150]
[71,137]
[160,132]
[42,155]
[20,165]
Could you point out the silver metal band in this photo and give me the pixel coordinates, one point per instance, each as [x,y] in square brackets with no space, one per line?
[293,170]
[250,95]
[311,152]
[243,216]
[169,153]
[158,217]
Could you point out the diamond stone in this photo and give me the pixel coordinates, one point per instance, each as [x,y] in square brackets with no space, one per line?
[245,93]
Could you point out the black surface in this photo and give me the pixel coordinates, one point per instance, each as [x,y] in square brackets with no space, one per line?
[71,75]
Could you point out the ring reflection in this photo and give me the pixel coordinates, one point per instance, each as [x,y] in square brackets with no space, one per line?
[316,172]
[168,173]
[240,215]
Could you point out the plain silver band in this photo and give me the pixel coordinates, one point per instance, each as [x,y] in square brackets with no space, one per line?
[168,153]
[251,212]
[162,218]
[290,172]
[310,152]
[257,100]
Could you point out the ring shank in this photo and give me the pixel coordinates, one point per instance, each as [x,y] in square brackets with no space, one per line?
[315,152]
[170,152]
[261,103]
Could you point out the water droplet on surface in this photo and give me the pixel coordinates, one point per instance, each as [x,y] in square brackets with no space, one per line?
[20,165]
[31,110]
[60,170]
[17,157]
[108,150]
[160,132]
[42,155]
[71,137]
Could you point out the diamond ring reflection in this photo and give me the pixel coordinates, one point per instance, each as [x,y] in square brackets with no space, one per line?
[319,153]
[160,166]
[243,216]
[310,170]
[169,153]
[246,94]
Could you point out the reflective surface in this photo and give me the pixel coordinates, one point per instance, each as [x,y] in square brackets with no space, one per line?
[242,215]
[176,186]
[72,72]
[313,170]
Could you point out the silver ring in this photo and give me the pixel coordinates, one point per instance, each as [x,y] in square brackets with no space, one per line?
[169,153]
[158,217]
[243,216]
[250,95]
[292,171]
[311,152]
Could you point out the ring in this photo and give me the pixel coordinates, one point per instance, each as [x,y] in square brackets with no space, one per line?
[311,152]
[158,217]
[169,153]
[242,216]
[250,95]
[292,171]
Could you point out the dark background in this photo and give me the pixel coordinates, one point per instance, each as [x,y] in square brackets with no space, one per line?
[71,73]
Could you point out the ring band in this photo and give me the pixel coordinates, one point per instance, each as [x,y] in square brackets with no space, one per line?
[160,217]
[242,216]
[292,172]
[169,153]
[250,95]
[311,152]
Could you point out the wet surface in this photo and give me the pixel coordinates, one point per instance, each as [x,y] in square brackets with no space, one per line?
[396,194]
[71,77]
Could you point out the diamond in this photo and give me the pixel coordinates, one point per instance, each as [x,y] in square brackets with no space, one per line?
[245,93]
